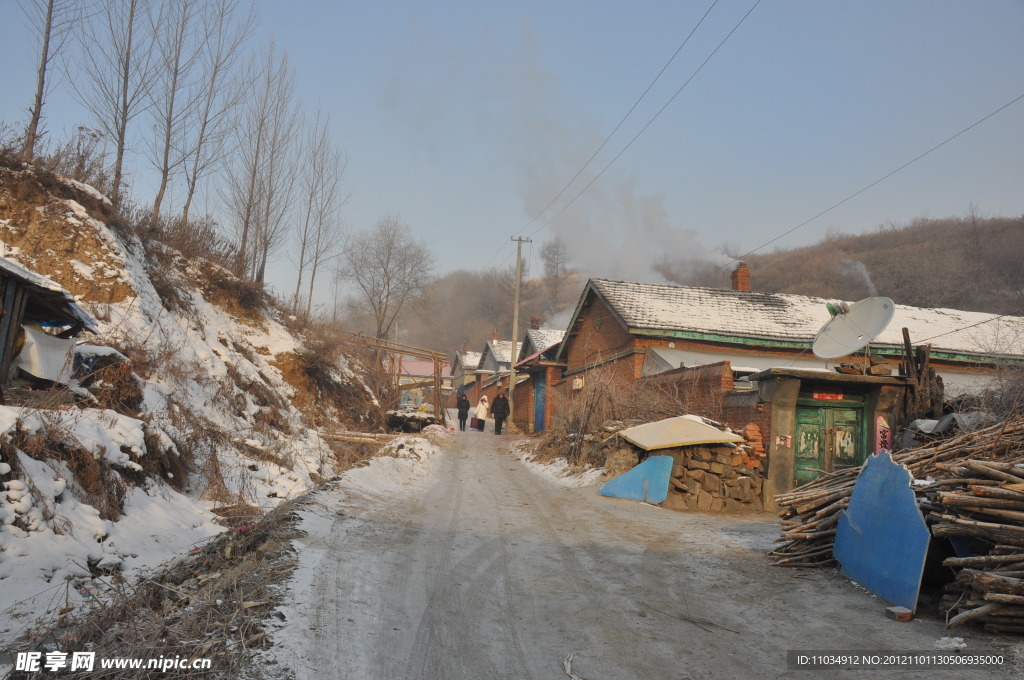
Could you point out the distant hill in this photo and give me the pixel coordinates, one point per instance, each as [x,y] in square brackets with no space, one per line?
[469,307]
[968,263]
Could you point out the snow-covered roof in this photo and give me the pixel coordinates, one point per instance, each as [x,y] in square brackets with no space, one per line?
[545,338]
[468,360]
[54,301]
[682,310]
[14,269]
[502,350]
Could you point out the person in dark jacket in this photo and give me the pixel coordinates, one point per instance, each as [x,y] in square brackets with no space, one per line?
[463,405]
[499,409]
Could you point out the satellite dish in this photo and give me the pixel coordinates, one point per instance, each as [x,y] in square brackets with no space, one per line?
[848,331]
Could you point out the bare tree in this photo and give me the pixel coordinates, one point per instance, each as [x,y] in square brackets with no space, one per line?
[390,268]
[52,20]
[178,45]
[207,131]
[113,74]
[262,181]
[319,232]
[555,256]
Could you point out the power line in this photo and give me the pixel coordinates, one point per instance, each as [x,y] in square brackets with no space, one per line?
[610,134]
[649,122]
[623,120]
[877,181]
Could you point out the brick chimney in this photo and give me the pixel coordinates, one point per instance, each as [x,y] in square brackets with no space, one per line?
[535,323]
[740,277]
[494,335]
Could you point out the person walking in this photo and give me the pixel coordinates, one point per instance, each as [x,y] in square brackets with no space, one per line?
[463,405]
[500,410]
[482,408]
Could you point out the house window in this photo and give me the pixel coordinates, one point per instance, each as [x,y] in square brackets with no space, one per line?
[598,322]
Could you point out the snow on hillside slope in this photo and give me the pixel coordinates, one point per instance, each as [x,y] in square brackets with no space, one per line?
[93,495]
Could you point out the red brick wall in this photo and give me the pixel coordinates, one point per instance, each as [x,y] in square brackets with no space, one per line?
[743,408]
[523,414]
[597,336]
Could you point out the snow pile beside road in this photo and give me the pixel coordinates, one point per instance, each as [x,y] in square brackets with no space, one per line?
[401,463]
[558,470]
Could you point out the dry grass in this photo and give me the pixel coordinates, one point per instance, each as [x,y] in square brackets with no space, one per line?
[246,300]
[212,603]
[34,205]
[115,386]
[95,482]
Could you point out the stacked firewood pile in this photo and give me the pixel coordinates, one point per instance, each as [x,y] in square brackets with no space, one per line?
[970,487]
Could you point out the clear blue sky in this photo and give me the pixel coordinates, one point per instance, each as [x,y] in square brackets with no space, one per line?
[467,118]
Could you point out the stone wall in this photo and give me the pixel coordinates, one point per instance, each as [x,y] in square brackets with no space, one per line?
[717,478]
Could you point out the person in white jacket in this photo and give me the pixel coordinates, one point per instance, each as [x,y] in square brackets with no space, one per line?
[482,408]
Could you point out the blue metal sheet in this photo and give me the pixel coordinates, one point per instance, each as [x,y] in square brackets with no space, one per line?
[647,482]
[882,539]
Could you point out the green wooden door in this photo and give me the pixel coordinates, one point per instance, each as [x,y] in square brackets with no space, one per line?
[827,439]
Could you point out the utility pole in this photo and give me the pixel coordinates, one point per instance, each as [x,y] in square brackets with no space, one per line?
[515,330]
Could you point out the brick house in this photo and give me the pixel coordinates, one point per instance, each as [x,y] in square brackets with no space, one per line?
[463,371]
[751,352]
[536,370]
[493,371]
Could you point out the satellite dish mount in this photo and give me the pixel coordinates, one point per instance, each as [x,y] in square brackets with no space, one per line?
[852,328]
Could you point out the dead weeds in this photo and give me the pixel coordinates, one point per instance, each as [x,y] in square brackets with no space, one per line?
[212,603]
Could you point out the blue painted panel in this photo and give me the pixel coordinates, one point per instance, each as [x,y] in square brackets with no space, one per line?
[647,482]
[539,402]
[882,539]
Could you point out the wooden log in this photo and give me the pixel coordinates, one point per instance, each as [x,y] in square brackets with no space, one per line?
[981,560]
[811,536]
[985,525]
[821,552]
[972,614]
[996,492]
[1004,514]
[967,500]
[1009,468]
[950,482]
[988,582]
[989,534]
[986,471]
[824,500]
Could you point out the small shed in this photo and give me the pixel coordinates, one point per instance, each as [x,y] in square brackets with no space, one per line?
[29,298]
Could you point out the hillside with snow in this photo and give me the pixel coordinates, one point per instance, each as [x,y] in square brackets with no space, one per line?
[201,410]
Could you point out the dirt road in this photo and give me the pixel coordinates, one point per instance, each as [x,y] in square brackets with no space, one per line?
[484,569]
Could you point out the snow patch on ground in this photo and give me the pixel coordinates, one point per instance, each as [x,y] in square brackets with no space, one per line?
[405,462]
[559,470]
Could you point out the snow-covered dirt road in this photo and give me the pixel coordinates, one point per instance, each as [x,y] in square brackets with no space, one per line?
[471,565]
